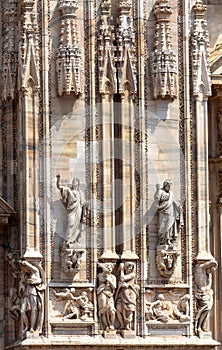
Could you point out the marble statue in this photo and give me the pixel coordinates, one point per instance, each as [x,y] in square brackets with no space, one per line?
[73,200]
[31,292]
[105,296]
[203,294]
[126,295]
[170,214]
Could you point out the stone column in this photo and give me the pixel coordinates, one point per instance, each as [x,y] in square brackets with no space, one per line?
[202,89]
[108,171]
[107,89]
[29,131]
[127,88]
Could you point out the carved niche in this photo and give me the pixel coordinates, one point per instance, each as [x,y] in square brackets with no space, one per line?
[200,54]
[69,53]
[170,222]
[164,63]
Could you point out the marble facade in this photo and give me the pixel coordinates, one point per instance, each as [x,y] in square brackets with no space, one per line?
[110,143]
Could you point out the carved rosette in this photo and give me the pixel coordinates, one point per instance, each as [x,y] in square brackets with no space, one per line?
[106,51]
[164,63]
[69,53]
[9,56]
[200,54]
[126,53]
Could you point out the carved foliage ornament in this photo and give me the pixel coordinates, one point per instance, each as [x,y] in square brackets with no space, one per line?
[9,54]
[69,53]
[164,65]
[200,54]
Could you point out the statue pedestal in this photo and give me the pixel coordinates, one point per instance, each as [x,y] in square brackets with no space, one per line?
[205,335]
[110,335]
[128,334]
[31,335]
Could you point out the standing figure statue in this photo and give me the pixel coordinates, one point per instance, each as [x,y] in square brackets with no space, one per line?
[170,214]
[105,292]
[31,292]
[73,200]
[203,294]
[126,295]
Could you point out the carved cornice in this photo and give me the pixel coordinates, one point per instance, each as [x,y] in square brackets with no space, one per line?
[69,53]
[164,63]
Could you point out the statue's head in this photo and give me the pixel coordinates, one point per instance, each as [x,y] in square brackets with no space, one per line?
[160,297]
[109,267]
[129,266]
[166,185]
[75,182]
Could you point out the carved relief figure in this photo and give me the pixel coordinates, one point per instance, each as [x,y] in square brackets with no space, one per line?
[170,214]
[32,298]
[77,307]
[126,295]
[70,311]
[172,309]
[105,293]
[203,294]
[73,200]
[155,310]
[178,309]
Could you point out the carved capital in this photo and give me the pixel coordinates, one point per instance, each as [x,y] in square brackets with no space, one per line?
[68,7]
[162,10]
